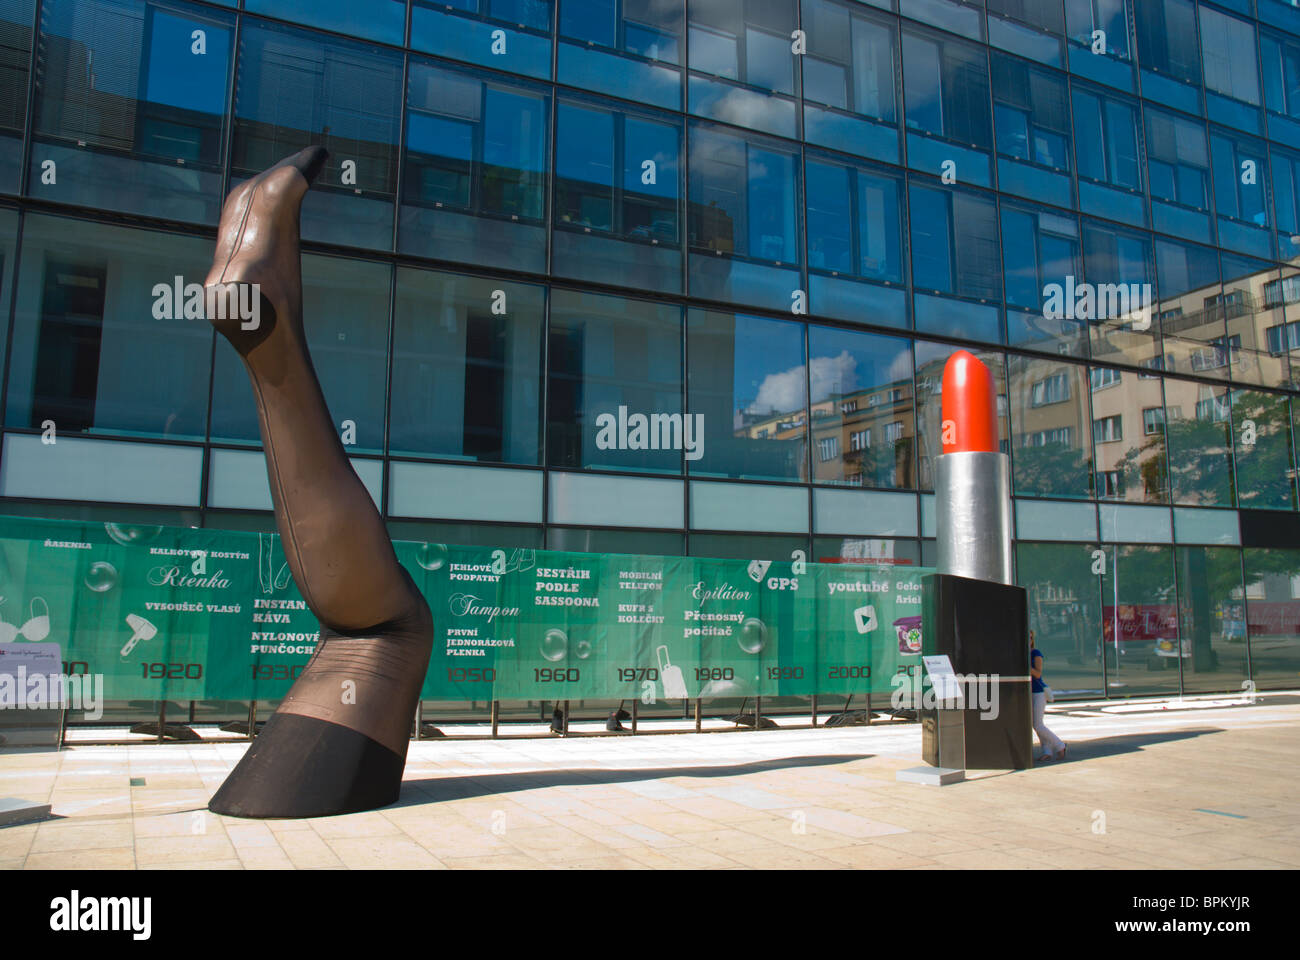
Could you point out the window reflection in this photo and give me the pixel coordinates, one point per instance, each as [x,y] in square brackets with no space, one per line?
[123,131]
[383,20]
[1211,619]
[345,303]
[513,35]
[1139,620]
[475,173]
[97,347]
[1064,612]
[15,66]
[1128,435]
[1120,271]
[747,378]
[296,89]
[1263,450]
[1085,17]
[615,393]
[1051,445]
[466,368]
[1273,615]
[617,197]
[863,428]
[946,84]
[1040,254]
[1197,423]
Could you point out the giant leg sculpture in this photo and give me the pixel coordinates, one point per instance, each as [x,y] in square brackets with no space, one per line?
[337,743]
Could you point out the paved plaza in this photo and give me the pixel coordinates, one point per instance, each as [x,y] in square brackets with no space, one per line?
[1204,784]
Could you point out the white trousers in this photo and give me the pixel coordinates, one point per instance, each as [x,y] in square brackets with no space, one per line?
[1048,741]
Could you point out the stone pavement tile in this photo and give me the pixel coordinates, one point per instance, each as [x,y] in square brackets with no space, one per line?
[104,858]
[56,835]
[993,860]
[659,790]
[555,844]
[194,865]
[780,857]
[249,834]
[188,823]
[630,807]
[1250,863]
[871,855]
[648,837]
[485,811]
[72,803]
[928,844]
[717,810]
[265,858]
[510,861]
[281,826]
[369,824]
[672,822]
[600,863]
[15,841]
[752,797]
[611,835]
[307,850]
[678,858]
[383,852]
[457,838]
[11,864]
[183,849]
[1073,858]
[723,840]
[782,829]
[1269,848]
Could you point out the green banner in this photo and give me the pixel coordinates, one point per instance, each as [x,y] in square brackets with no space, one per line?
[191,614]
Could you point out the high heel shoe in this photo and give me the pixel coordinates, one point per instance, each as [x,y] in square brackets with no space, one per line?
[255,283]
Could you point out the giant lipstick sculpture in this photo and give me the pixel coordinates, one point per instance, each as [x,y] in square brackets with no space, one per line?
[971,610]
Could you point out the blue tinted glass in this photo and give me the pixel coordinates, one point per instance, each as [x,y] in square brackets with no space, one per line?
[144,91]
[584,167]
[830,224]
[772,206]
[383,20]
[595,21]
[297,88]
[931,240]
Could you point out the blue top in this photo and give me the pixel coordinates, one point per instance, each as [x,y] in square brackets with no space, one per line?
[1037,682]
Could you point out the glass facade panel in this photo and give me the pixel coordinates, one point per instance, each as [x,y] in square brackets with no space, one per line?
[513,35]
[955,253]
[1130,462]
[1050,441]
[474,177]
[1042,264]
[294,89]
[1211,619]
[347,334]
[1139,620]
[615,398]
[1198,425]
[130,107]
[930,359]
[1064,613]
[15,70]
[382,20]
[1263,450]
[863,427]
[748,380]
[1273,615]
[617,197]
[103,341]
[467,358]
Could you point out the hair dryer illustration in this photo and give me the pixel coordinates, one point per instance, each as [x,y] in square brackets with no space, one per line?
[141,629]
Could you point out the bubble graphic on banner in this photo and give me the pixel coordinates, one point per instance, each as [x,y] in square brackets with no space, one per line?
[129,534]
[753,635]
[101,577]
[555,645]
[582,649]
[432,556]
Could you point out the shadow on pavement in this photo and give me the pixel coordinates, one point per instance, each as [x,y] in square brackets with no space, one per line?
[1125,743]
[462,787]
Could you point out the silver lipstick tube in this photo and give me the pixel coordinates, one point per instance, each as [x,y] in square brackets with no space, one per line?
[973,515]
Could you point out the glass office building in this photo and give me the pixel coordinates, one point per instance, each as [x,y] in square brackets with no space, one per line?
[777,217]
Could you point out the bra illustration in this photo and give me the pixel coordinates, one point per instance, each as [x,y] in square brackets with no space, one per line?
[33,631]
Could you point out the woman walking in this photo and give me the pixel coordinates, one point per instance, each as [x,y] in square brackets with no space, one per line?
[1053,747]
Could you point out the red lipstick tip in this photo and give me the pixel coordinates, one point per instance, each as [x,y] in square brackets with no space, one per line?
[970,410]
